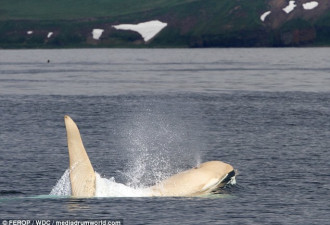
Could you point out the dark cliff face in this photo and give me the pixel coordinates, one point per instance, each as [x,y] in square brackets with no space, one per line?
[279,17]
[191,23]
[301,26]
[239,24]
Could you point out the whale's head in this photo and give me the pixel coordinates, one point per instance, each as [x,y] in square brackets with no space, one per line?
[223,172]
[206,178]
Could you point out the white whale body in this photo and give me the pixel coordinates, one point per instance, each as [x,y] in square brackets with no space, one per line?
[206,178]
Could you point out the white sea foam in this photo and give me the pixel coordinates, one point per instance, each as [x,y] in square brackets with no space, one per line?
[147,29]
[264,15]
[104,188]
[310,5]
[110,188]
[289,8]
[97,33]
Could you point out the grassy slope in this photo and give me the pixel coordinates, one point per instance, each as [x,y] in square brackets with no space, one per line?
[78,9]
[218,11]
[323,30]
[216,23]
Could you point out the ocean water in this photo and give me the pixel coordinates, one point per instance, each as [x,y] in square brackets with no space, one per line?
[145,114]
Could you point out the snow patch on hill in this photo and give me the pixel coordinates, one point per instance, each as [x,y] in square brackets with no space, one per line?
[97,33]
[264,15]
[49,34]
[289,8]
[147,30]
[310,5]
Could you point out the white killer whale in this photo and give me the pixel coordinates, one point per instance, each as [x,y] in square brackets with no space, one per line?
[206,178]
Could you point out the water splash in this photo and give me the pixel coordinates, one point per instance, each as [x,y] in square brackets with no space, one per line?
[104,188]
[157,145]
[63,186]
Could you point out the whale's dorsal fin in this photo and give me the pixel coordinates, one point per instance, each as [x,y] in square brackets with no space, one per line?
[82,175]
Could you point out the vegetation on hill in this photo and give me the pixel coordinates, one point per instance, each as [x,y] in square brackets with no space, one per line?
[191,23]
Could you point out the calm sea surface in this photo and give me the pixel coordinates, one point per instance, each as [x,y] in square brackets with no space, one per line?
[146,114]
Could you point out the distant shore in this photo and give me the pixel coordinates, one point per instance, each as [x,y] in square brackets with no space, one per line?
[164,24]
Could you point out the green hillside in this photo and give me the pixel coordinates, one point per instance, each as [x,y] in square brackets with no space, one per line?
[79,9]
[191,23]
